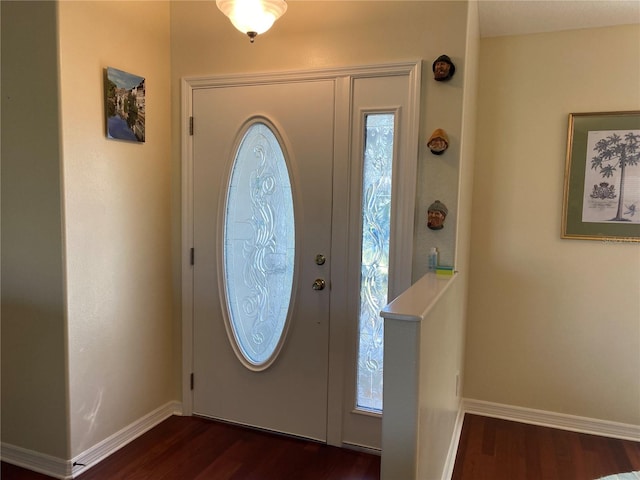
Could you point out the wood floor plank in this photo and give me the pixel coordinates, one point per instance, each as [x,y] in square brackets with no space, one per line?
[633,454]
[532,453]
[548,466]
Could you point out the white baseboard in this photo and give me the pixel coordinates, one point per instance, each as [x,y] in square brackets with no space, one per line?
[37,462]
[68,469]
[561,421]
[102,450]
[447,472]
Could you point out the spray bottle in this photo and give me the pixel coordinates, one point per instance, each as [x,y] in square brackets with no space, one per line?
[433,259]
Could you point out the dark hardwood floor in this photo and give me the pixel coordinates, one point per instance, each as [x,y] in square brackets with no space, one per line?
[493,449]
[191,448]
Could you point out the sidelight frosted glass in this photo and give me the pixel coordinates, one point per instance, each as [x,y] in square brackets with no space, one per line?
[374,278]
[259,245]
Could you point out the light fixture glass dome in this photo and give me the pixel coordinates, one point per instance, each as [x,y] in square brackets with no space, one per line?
[252,17]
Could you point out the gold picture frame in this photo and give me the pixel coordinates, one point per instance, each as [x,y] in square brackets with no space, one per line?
[602,177]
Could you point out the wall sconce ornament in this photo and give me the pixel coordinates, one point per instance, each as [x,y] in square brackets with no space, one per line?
[443,68]
[438,142]
[252,17]
[436,215]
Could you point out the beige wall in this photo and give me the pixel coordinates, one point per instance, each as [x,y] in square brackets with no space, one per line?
[553,324]
[117,217]
[34,394]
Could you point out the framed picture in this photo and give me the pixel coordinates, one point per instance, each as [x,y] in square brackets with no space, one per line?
[124,105]
[602,177]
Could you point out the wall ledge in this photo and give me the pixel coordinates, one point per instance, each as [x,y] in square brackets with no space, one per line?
[573,423]
[65,469]
[414,304]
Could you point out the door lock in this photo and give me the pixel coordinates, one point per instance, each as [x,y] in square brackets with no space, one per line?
[319,284]
[320,259]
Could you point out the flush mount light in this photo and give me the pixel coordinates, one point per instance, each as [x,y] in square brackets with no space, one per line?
[252,17]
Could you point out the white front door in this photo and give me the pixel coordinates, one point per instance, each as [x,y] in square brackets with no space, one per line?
[262,186]
[311,136]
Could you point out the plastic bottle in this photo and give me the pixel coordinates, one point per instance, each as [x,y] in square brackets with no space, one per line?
[433,259]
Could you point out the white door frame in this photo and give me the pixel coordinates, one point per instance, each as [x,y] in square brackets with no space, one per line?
[401,255]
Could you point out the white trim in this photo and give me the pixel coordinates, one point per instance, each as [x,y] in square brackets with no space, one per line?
[37,462]
[110,445]
[592,426]
[447,471]
[405,184]
[356,447]
[65,469]
[339,253]
[380,70]
[186,245]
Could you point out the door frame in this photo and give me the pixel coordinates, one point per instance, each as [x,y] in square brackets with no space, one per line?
[401,254]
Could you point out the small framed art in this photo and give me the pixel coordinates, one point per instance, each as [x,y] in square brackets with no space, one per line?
[125,105]
[602,177]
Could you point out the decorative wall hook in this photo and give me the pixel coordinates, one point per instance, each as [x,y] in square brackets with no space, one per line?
[436,215]
[438,142]
[443,68]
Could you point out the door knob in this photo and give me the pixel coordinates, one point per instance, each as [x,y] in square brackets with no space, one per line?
[319,284]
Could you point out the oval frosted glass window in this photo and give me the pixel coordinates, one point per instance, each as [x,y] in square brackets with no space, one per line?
[259,247]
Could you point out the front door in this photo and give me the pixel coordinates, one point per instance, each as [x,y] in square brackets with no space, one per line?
[299,194]
[262,206]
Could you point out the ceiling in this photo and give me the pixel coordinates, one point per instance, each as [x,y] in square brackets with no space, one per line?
[516,17]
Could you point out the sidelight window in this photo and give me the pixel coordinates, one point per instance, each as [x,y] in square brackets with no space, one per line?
[374,277]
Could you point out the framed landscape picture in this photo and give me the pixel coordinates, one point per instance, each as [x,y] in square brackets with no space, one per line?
[125,105]
[602,177]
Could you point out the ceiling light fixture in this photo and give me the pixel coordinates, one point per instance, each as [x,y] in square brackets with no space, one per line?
[252,17]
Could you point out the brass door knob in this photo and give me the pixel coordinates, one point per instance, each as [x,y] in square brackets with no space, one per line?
[319,284]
